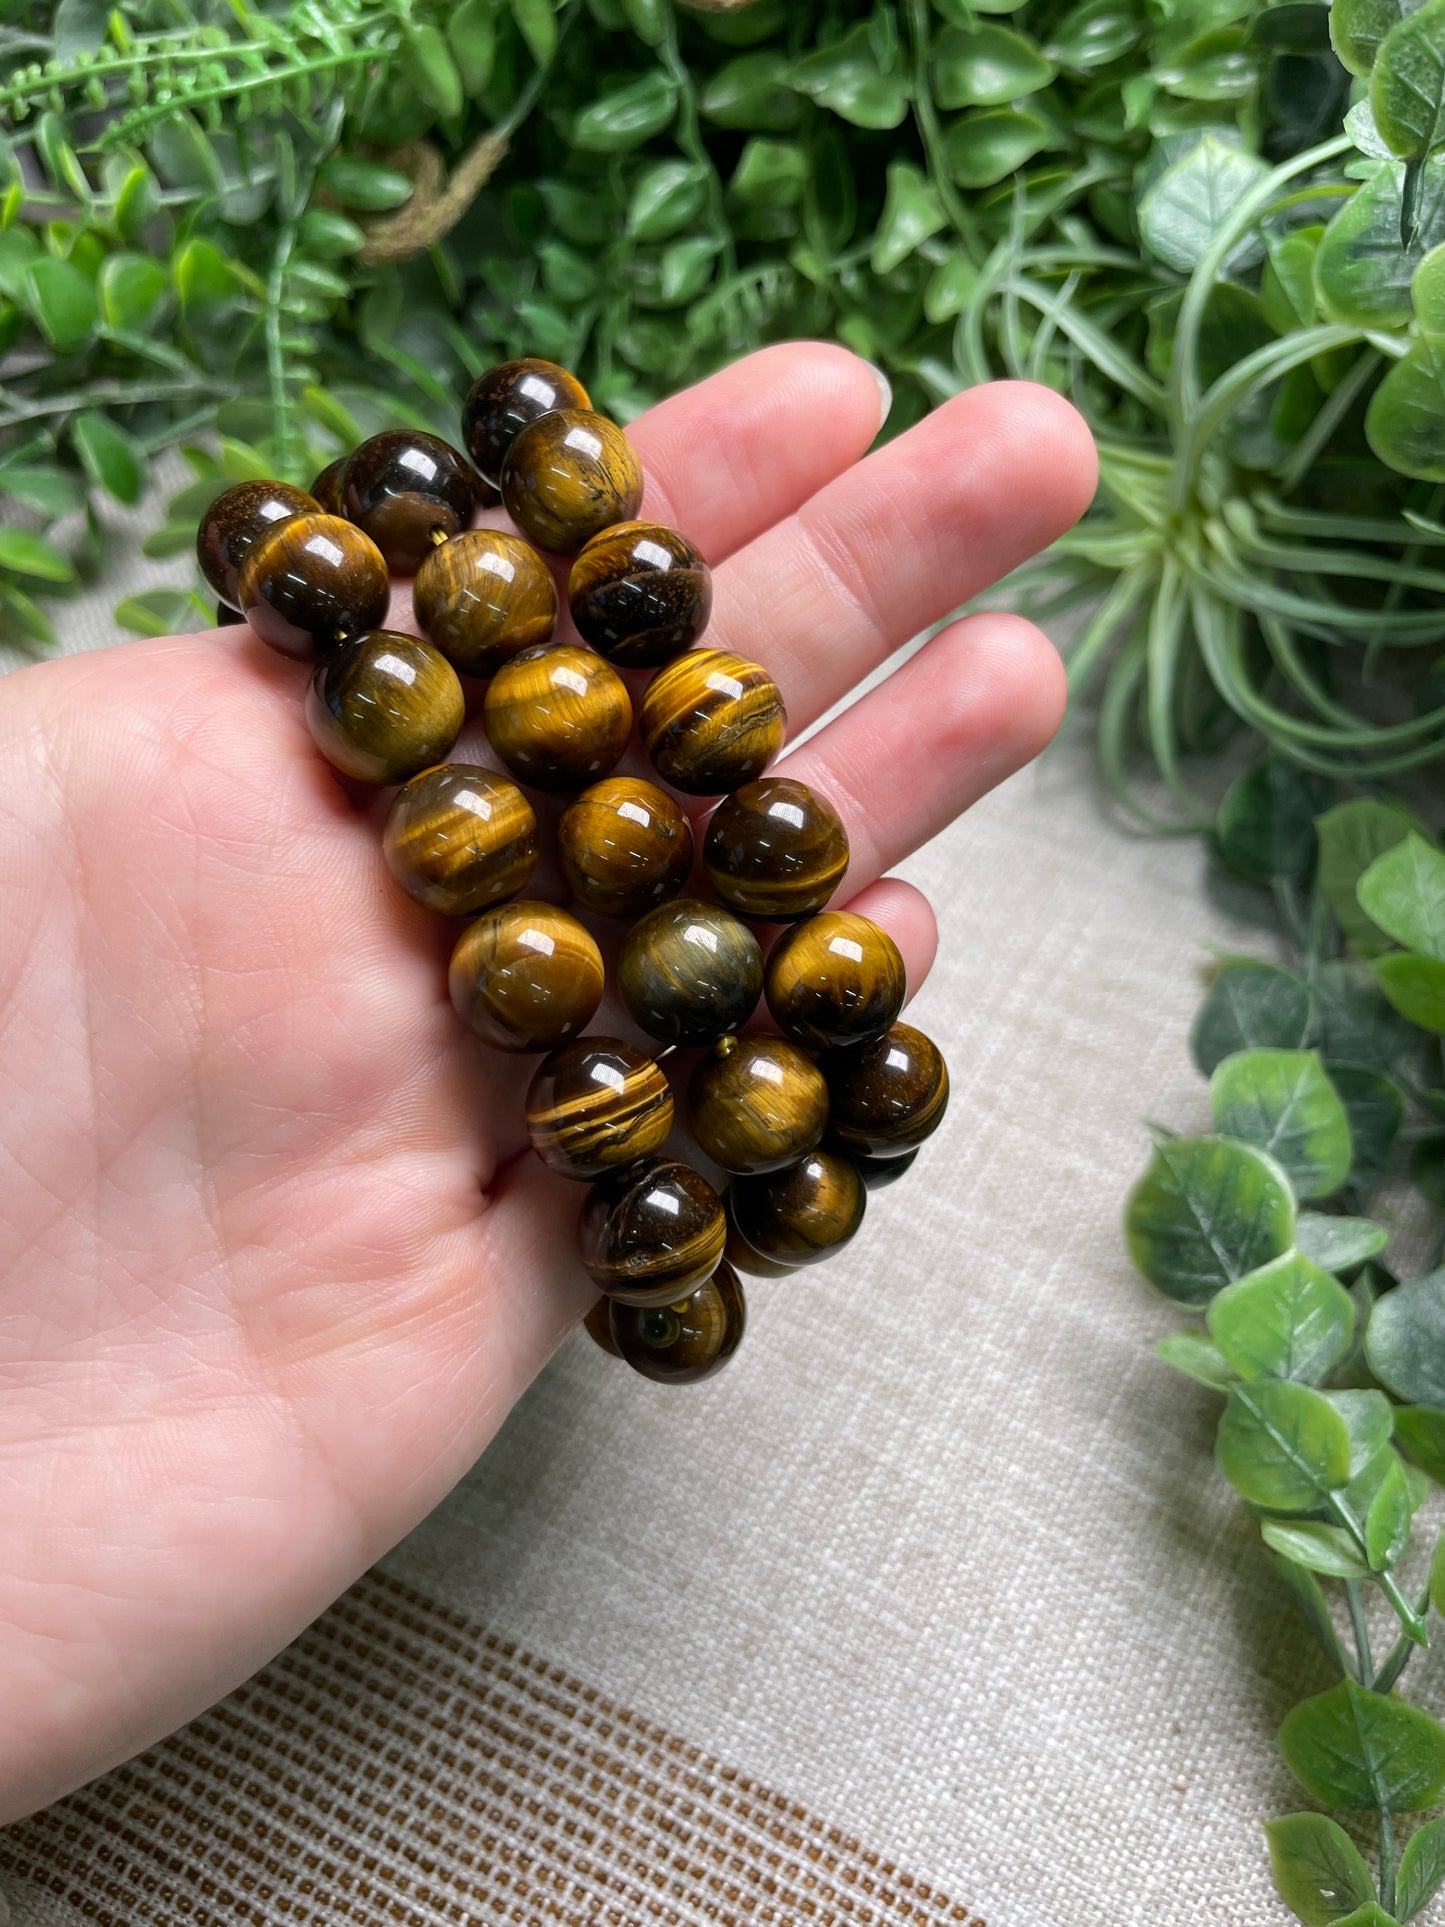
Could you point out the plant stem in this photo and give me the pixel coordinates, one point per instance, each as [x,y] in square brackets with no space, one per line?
[932,137]
[1387,1859]
[1362,1633]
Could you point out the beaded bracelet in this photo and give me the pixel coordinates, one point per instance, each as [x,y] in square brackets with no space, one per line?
[805,1123]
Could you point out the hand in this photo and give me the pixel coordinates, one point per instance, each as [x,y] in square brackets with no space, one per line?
[273,1267]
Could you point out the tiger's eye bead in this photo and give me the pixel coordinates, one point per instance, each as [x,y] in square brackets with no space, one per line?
[889,1095]
[649,1235]
[310,581]
[558,717]
[597,1106]
[327,487]
[775,849]
[740,1254]
[804,1214]
[235,522]
[526,977]
[226,617]
[460,838]
[598,1325]
[878,1173]
[757,1104]
[640,594]
[624,846]
[835,979]
[568,476]
[506,398]
[383,706]
[482,598]
[404,487]
[712,721]
[690,972]
[683,1343]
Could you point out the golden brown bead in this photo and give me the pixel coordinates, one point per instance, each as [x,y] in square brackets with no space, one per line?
[775,850]
[834,980]
[649,1235]
[327,487]
[889,1095]
[624,846]
[484,597]
[503,400]
[757,1104]
[598,1324]
[682,1344]
[712,721]
[235,521]
[740,1254]
[310,581]
[568,476]
[407,489]
[690,972]
[640,594]
[384,705]
[804,1214]
[596,1106]
[526,977]
[558,717]
[459,838]
[878,1173]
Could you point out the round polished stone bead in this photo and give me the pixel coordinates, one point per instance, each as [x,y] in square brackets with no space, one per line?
[596,1106]
[681,1344]
[568,476]
[558,717]
[598,1325]
[226,618]
[640,594]
[327,487]
[408,490]
[649,1235]
[804,1214]
[775,849]
[835,979]
[887,1096]
[740,1254]
[712,721]
[757,1104]
[503,400]
[384,705]
[624,846]
[484,597]
[690,972]
[235,521]
[878,1173]
[526,976]
[460,838]
[310,581]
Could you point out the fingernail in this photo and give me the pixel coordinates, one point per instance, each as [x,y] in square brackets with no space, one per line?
[885,391]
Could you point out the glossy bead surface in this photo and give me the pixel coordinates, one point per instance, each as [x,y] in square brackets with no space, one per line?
[776,850]
[740,1254]
[640,594]
[596,1106]
[712,721]
[757,1104]
[404,488]
[227,617]
[598,1326]
[878,1173]
[690,972]
[804,1214]
[834,980]
[526,976]
[327,487]
[383,706]
[558,717]
[624,846]
[235,522]
[568,476]
[503,400]
[482,598]
[310,581]
[648,1235]
[683,1343]
[460,838]
[889,1095]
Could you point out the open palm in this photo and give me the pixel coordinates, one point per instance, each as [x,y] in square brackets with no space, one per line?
[271,1268]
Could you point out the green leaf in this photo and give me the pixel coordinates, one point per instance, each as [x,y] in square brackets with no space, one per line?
[1251,1006]
[427,63]
[1317,1868]
[912,212]
[667,197]
[847,78]
[627,116]
[1356,1023]
[332,235]
[1362,274]
[159,612]
[1405,1340]
[32,555]
[1407,83]
[109,456]
[1265,827]
[1405,421]
[983,147]
[472,35]
[1421,1870]
[986,66]
[750,94]
[1353,1749]
[1403,892]
[1415,986]
[365,185]
[1187,204]
[1308,1595]
[132,289]
[1206,1212]
[1093,34]
[137,202]
[1371,1915]
[1387,1523]
[1437,1578]
[1369,1419]
[537,20]
[50,491]
[1421,1432]
[63,302]
[1351,836]
[1288,1319]
[1375,1108]
[1282,1102]
[770,173]
[951,288]
[1339,1244]
[1282,1445]
[1198,1358]
[205,283]
[1358,27]
[1318,1548]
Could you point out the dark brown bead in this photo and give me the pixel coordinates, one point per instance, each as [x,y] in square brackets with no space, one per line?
[407,489]
[888,1095]
[649,1235]
[310,581]
[712,721]
[505,399]
[690,972]
[804,1214]
[526,977]
[460,838]
[640,594]
[384,705]
[567,477]
[598,1325]
[226,617]
[234,522]
[878,1173]
[596,1106]
[327,487]
[835,980]
[757,1104]
[775,850]
[740,1254]
[484,597]
[684,1343]
[624,846]
[558,717]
